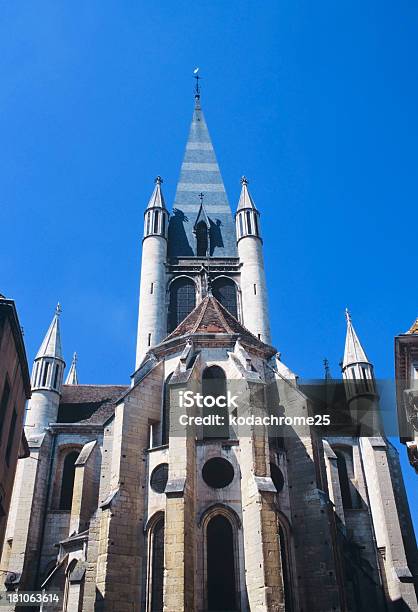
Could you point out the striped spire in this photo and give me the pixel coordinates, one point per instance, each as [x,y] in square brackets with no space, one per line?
[200,174]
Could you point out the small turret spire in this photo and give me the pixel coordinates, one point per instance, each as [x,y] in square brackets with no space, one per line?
[49,363]
[51,345]
[353,352]
[245,200]
[157,199]
[72,378]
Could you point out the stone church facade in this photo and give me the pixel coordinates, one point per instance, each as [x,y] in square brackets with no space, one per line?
[121,508]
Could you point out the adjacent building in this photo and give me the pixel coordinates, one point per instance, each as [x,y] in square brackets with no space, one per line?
[406,374]
[14,391]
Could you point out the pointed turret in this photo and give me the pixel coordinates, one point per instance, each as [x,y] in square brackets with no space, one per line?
[200,173]
[47,373]
[49,363]
[51,345]
[247,216]
[250,251]
[355,365]
[72,378]
[245,200]
[156,214]
[353,352]
[151,324]
[157,199]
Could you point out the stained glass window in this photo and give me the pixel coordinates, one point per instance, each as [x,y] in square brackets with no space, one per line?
[225,291]
[182,301]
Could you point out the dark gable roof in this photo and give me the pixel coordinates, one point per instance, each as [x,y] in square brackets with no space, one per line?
[210,317]
[88,403]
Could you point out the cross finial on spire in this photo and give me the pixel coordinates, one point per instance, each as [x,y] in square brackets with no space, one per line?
[347,315]
[58,309]
[197,89]
[197,77]
[158,180]
[244,180]
[201,196]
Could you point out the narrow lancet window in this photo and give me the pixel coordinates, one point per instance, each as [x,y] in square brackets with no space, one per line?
[67,485]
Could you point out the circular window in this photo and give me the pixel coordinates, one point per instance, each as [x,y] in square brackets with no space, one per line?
[159,478]
[277,477]
[218,473]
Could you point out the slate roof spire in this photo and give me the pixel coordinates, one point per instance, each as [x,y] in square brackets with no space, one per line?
[157,199]
[72,378]
[200,173]
[245,199]
[354,352]
[51,345]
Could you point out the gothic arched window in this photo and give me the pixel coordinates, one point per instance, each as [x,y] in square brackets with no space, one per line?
[344,480]
[221,586]
[214,385]
[182,300]
[225,291]
[156,567]
[67,483]
[202,239]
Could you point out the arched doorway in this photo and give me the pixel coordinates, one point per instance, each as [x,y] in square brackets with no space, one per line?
[220,564]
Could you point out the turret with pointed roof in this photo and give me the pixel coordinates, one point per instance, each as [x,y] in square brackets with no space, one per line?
[355,365]
[253,281]
[49,363]
[151,325]
[47,374]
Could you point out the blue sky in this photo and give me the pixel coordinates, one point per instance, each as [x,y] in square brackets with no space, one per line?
[314,102]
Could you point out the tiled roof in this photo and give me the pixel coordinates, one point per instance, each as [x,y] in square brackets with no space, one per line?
[88,403]
[210,317]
